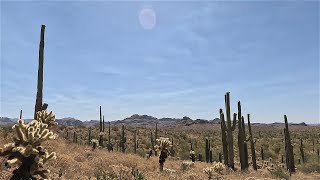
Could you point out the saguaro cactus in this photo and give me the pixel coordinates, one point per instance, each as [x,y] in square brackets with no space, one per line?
[135,141]
[253,151]
[156,137]
[207,150]
[261,152]
[123,140]
[210,156]
[103,123]
[302,152]
[110,146]
[20,114]
[245,146]
[224,138]
[89,138]
[172,151]
[241,139]
[100,130]
[152,141]
[229,127]
[289,148]
[38,105]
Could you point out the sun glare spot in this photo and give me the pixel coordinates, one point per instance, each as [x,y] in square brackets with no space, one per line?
[147,18]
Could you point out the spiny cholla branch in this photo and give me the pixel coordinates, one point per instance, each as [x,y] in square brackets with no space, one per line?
[26,152]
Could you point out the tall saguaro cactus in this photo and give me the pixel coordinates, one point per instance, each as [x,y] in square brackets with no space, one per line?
[207,150]
[156,137]
[289,148]
[241,139]
[245,146]
[123,140]
[100,129]
[224,138]
[253,151]
[103,123]
[302,152]
[89,138]
[228,127]
[135,141]
[20,114]
[38,105]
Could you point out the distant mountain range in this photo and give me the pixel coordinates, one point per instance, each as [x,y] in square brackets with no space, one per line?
[138,121]
[134,120]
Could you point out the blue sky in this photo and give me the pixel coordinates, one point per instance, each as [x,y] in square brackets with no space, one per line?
[97,53]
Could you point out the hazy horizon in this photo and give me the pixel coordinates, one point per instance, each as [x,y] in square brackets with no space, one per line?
[179,59]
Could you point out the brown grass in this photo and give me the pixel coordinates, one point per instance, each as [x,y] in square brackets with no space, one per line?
[80,162]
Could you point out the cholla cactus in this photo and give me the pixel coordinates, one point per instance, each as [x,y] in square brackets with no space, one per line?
[121,171]
[162,145]
[26,151]
[169,171]
[214,170]
[186,165]
[95,143]
[192,156]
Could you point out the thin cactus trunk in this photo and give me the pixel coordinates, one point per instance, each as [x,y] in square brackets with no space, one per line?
[302,152]
[245,145]
[152,141]
[224,138]
[261,152]
[103,123]
[207,150]
[20,114]
[100,129]
[135,141]
[123,140]
[312,144]
[89,136]
[38,105]
[253,151]
[230,128]
[156,137]
[241,139]
[110,147]
[289,148]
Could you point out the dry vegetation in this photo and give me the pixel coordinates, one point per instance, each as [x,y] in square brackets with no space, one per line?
[80,161]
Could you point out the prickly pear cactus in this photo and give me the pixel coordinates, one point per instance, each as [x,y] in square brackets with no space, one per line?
[26,152]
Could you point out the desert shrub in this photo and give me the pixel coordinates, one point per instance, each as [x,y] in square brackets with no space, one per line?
[141,152]
[310,167]
[278,172]
[5,131]
[115,128]
[137,175]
